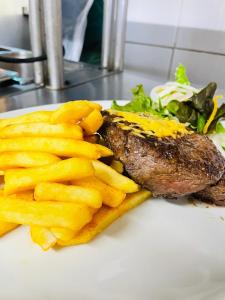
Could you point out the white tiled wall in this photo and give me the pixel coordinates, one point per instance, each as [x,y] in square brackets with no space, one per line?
[205,14]
[163,33]
[164,12]
[149,59]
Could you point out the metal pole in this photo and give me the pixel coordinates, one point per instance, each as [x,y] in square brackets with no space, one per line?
[36,38]
[120,34]
[53,31]
[107,34]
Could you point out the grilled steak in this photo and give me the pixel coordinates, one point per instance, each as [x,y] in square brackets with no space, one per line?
[214,194]
[167,166]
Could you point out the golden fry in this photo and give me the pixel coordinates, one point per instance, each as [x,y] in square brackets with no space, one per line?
[44,213]
[43,237]
[19,180]
[60,192]
[58,146]
[6,227]
[32,117]
[92,122]
[63,234]
[11,160]
[103,151]
[42,130]
[104,217]
[27,195]
[117,165]
[74,111]
[111,196]
[113,178]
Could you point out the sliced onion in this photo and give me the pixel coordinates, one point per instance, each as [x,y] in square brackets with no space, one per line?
[184,86]
[172,91]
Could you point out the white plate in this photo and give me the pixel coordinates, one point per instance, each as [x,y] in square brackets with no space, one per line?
[160,250]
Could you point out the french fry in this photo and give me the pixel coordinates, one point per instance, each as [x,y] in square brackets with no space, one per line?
[74,111]
[19,180]
[113,178]
[92,122]
[44,213]
[58,146]
[103,151]
[63,234]
[117,166]
[43,237]
[32,117]
[104,217]
[27,195]
[42,130]
[60,192]
[111,196]
[11,160]
[6,227]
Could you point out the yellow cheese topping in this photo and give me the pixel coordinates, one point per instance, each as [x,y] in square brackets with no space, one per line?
[149,125]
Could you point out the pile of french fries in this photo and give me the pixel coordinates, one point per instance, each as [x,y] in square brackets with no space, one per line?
[53,180]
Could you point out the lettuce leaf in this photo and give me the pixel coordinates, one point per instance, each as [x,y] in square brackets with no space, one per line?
[203,101]
[181,76]
[220,128]
[183,112]
[140,102]
[201,123]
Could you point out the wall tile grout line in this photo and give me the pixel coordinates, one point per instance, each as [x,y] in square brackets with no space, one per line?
[177,48]
[175,39]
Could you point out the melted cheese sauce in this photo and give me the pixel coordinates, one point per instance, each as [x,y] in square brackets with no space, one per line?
[149,125]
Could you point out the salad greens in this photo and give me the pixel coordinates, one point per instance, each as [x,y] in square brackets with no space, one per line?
[220,128]
[181,76]
[195,110]
[201,123]
[140,102]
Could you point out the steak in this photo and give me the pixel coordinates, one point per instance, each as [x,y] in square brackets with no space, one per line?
[168,167]
[214,194]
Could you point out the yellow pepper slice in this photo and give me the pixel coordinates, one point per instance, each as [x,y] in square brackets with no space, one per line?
[213,114]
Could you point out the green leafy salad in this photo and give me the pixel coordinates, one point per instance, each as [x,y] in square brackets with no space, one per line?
[198,108]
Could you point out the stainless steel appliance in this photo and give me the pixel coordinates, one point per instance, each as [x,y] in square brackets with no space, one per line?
[45,24]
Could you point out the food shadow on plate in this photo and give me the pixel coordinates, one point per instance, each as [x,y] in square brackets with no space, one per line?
[182,201]
[117,227]
[112,231]
[189,201]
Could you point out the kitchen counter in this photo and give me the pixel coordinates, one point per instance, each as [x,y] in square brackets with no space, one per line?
[114,86]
